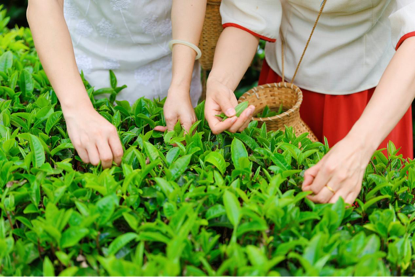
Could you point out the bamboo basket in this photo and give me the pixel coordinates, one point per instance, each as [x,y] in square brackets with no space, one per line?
[287,94]
[212,28]
[273,95]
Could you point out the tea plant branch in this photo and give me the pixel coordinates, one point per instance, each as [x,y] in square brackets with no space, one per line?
[374,167]
[39,249]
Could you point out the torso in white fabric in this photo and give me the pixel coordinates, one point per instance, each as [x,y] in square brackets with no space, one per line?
[129,37]
[351,47]
[349,50]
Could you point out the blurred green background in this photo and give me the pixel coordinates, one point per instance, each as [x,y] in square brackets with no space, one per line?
[17,13]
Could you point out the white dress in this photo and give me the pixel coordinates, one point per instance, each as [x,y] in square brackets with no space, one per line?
[129,37]
[351,47]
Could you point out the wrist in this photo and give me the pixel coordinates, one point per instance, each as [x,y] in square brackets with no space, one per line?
[365,139]
[179,90]
[76,104]
[221,79]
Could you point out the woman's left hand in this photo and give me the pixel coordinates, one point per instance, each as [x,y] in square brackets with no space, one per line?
[341,170]
[178,107]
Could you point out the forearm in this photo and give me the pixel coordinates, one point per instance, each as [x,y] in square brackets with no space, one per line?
[54,47]
[187,23]
[392,98]
[234,53]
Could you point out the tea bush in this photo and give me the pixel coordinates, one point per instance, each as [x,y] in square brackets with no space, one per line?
[180,204]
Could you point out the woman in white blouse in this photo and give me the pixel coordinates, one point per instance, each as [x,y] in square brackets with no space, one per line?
[359,49]
[127,36]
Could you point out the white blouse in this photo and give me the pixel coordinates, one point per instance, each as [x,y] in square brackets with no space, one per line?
[351,47]
[129,37]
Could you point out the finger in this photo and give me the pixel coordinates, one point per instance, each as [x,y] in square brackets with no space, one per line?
[309,176]
[160,128]
[82,154]
[93,154]
[244,126]
[227,105]
[343,193]
[351,197]
[322,178]
[220,127]
[243,119]
[322,197]
[105,153]
[116,148]
[186,124]
[171,122]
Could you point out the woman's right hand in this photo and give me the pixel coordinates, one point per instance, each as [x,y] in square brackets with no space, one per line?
[94,138]
[219,98]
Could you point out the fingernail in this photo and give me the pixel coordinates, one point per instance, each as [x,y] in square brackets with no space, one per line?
[251,111]
[230,112]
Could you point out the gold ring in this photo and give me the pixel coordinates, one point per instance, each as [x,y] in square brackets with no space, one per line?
[330,189]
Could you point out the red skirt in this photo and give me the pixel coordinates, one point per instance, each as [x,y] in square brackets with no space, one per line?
[331,116]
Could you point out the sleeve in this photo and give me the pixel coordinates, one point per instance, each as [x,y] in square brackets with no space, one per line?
[261,18]
[402,22]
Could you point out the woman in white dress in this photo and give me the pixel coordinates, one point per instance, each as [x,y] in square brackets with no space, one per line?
[358,77]
[126,36]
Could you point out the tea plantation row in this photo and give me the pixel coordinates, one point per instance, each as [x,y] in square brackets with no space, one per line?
[180,204]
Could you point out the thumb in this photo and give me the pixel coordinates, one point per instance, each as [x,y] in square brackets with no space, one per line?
[226,106]
[160,128]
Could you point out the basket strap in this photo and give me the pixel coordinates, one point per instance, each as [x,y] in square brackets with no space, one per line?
[308,42]
[282,56]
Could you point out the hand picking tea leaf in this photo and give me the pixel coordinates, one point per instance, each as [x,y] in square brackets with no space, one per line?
[238,110]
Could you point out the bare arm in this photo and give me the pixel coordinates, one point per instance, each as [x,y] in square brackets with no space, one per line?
[392,98]
[94,138]
[54,46]
[187,20]
[344,166]
[234,53]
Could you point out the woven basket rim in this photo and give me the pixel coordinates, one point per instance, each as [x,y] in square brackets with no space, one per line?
[287,113]
[214,2]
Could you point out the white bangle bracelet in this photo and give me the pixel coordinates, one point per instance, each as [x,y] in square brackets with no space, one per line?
[191,45]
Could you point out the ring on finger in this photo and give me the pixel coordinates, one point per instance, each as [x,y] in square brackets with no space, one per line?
[330,189]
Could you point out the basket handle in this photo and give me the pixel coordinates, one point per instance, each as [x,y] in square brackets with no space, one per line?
[306,46]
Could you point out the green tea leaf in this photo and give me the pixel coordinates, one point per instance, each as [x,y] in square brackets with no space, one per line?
[179,166]
[113,80]
[48,269]
[72,236]
[232,207]
[26,83]
[217,160]
[6,61]
[70,271]
[238,151]
[120,242]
